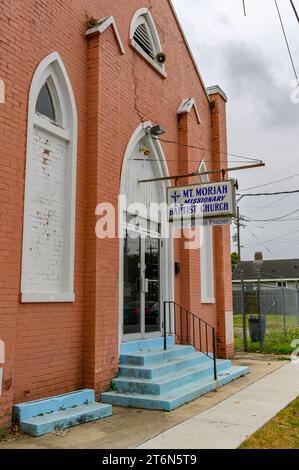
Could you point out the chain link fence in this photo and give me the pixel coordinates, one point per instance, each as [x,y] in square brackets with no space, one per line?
[266,317]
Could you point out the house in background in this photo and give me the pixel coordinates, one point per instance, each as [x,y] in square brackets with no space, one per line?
[276,273]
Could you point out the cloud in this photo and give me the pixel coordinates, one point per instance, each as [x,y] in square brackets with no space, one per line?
[252,80]
[247,57]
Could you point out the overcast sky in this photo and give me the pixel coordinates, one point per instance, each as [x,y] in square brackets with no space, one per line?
[248,58]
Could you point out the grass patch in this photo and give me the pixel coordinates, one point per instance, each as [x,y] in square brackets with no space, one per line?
[3,434]
[277,340]
[282,432]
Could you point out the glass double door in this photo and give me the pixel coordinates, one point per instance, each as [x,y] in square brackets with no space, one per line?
[142,286]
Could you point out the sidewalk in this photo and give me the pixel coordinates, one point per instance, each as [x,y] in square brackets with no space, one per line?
[227,424]
[131,427]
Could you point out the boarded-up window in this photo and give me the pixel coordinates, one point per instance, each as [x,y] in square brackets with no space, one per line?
[48,245]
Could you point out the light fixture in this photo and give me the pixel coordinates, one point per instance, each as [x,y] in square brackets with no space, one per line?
[156,130]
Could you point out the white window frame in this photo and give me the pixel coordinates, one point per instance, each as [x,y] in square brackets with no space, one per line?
[207,261]
[144,15]
[52,71]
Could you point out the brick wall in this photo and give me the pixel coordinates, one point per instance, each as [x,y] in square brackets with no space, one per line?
[54,348]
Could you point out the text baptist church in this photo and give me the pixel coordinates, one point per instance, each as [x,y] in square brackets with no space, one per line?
[211,198]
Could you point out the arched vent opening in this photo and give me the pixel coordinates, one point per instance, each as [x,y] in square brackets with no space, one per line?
[143,39]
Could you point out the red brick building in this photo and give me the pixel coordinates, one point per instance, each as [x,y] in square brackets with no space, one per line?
[78,100]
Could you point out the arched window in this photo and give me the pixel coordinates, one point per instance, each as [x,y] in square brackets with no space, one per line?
[50,186]
[145,39]
[44,104]
[206,255]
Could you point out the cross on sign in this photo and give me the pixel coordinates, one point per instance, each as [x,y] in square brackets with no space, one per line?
[175,196]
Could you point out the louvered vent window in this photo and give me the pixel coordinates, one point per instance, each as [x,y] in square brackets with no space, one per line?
[142,38]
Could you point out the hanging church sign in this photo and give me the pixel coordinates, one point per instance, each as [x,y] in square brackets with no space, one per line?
[215,203]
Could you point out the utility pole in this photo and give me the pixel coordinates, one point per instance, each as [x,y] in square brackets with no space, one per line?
[239,233]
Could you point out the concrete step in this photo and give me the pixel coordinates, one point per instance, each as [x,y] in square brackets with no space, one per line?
[164,367]
[153,356]
[167,383]
[56,421]
[177,397]
[39,417]
[51,404]
[145,344]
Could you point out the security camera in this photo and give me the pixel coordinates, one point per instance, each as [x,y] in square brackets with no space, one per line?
[160,57]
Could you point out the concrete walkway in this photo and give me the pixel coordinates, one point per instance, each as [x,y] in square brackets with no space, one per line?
[227,424]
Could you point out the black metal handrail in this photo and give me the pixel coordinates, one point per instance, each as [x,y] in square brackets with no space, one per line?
[189,329]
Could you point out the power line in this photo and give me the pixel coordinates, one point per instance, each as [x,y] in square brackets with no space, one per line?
[295,11]
[267,194]
[277,238]
[206,149]
[263,227]
[287,42]
[270,204]
[257,238]
[272,182]
[244,7]
[248,219]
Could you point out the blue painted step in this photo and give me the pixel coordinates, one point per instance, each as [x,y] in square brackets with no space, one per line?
[143,344]
[153,356]
[39,417]
[152,378]
[168,382]
[164,367]
[176,398]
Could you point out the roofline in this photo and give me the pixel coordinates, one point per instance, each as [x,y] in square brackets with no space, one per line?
[189,48]
[270,260]
[268,280]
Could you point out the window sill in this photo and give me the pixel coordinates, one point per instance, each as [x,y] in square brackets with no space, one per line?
[34,297]
[208,301]
[148,59]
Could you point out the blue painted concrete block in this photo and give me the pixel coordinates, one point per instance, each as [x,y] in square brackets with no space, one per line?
[52,404]
[56,421]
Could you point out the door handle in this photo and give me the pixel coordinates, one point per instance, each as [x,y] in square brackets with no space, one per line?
[145,285]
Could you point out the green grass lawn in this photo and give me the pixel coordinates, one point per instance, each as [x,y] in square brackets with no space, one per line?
[277,340]
[282,432]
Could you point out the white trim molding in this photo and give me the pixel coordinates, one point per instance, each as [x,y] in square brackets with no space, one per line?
[206,255]
[102,26]
[143,15]
[51,70]
[186,107]
[213,90]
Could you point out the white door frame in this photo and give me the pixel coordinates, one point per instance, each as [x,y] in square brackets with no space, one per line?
[144,234]
[167,257]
